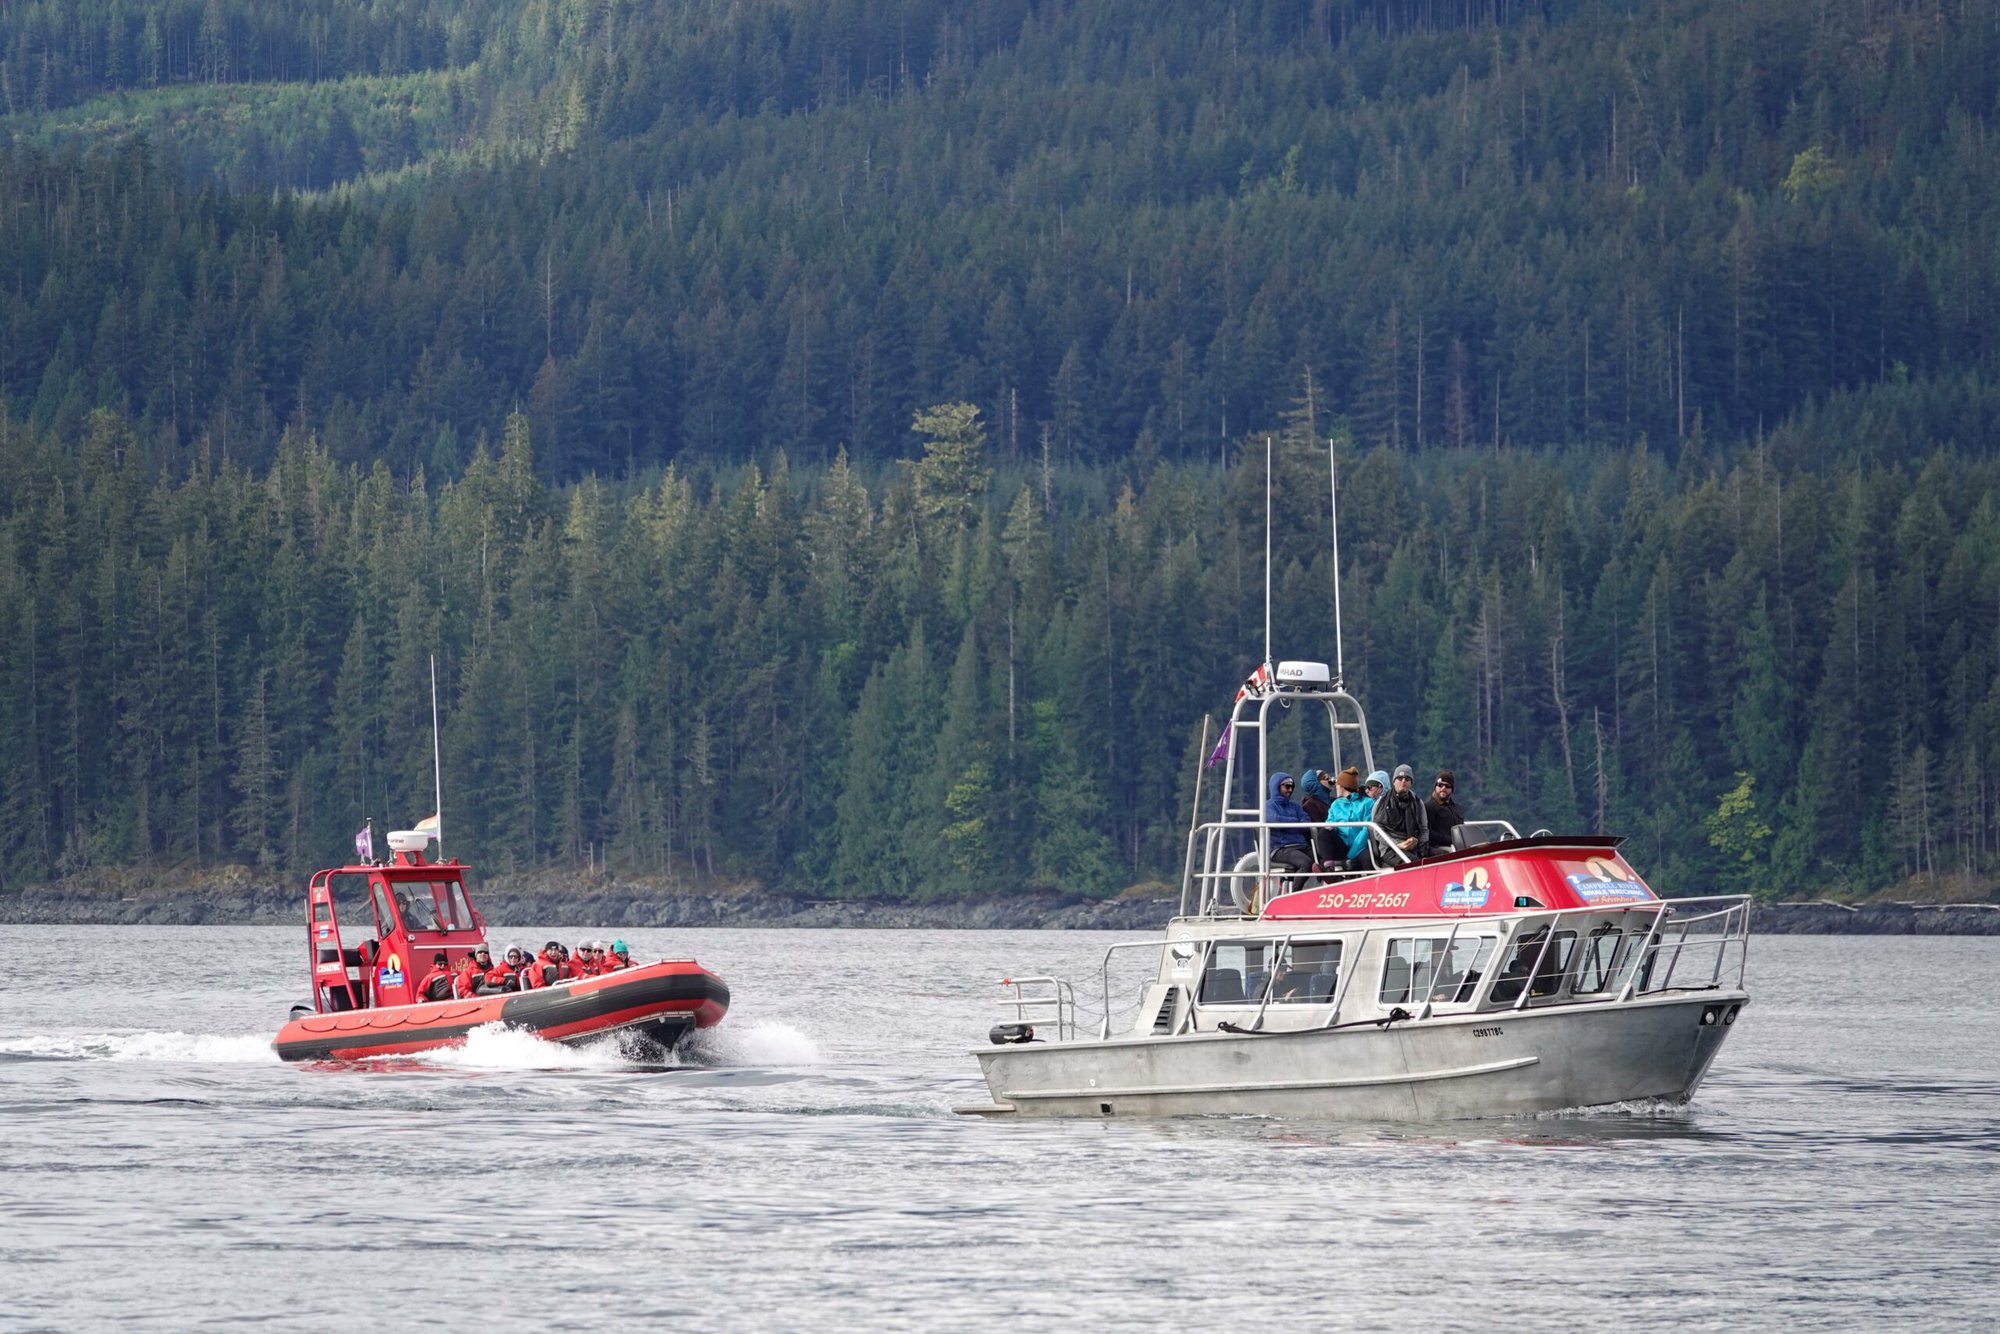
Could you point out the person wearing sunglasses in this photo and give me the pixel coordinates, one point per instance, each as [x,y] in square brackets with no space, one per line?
[1441,811]
[1400,812]
[469,977]
[1291,848]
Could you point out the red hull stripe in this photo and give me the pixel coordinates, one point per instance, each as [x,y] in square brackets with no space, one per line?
[660,992]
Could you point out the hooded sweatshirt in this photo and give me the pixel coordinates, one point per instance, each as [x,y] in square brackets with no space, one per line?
[1314,796]
[1284,810]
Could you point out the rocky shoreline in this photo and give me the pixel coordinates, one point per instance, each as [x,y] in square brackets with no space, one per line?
[611,906]
[607,908]
[1826,918]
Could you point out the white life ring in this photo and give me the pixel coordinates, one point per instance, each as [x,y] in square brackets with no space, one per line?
[1246,886]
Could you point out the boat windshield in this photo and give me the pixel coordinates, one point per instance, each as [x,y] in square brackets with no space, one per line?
[349,891]
[433,905]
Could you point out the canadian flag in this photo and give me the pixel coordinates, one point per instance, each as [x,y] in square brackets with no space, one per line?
[1257,683]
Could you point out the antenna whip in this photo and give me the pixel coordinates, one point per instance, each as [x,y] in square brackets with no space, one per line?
[1267,551]
[437,759]
[1333,504]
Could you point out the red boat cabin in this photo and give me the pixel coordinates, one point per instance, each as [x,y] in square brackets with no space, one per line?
[397,915]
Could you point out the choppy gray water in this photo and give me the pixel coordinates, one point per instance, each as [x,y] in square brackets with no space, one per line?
[160,1169]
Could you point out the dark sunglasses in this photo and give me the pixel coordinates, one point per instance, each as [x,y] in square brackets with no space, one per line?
[1445,786]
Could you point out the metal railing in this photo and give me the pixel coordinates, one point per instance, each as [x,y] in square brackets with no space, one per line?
[1207,865]
[1104,976]
[1056,995]
[1703,950]
[1206,845]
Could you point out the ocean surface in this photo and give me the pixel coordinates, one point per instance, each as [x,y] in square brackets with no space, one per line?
[161,1169]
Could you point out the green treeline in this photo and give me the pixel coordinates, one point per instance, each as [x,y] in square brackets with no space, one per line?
[941,676]
[693,231]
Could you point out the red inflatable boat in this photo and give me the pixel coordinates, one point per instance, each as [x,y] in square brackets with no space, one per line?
[365,1000]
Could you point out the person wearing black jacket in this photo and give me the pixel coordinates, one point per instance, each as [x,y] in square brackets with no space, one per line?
[1441,812]
[1401,814]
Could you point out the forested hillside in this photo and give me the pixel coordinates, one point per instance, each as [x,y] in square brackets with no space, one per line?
[583,343]
[941,681]
[676,228]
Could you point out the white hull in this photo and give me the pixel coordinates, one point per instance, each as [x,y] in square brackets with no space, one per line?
[1495,1063]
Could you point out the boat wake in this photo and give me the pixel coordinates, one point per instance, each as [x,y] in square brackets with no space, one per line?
[496,1047]
[1648,1109]
[763,1043]
[489,1047]
[196,1048]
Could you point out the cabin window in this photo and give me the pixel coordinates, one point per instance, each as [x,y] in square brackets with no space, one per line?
[1597,962]
[1416,968]
[1555,965]
[385,916]
[1308,973]
[350,907]
[433,905]
[1555,958]
[1236,972]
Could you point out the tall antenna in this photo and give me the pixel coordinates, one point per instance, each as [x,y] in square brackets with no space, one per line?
[437,759]
[1333,504]
[1267,551]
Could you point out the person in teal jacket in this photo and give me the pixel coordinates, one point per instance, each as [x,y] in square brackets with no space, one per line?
[1351,805]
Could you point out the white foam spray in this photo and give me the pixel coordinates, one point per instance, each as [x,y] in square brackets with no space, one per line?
[764,1043]
[199,1048]
[496,1047]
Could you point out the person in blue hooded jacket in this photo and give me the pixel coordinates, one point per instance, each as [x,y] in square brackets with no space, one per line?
[1291,848]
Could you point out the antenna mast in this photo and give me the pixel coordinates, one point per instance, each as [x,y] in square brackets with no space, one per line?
[1267,551]
[1333,504]
[437,759]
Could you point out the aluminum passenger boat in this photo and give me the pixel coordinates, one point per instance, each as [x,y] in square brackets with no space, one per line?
[1513,974]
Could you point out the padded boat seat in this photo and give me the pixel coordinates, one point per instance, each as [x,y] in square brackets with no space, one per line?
[1222,986]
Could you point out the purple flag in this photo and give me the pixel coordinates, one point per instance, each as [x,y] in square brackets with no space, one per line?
[364,844]
[1221,751]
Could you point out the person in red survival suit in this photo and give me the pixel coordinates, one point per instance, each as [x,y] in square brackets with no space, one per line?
[437,982]
[501,976]
[620,957]
[581,964]
[550,962]
[521,969]
[470,979]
